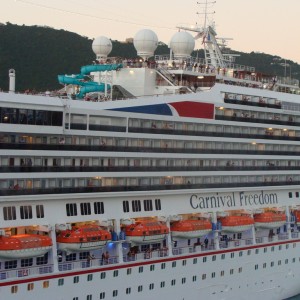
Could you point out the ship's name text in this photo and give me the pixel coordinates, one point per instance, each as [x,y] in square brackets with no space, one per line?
[233,200]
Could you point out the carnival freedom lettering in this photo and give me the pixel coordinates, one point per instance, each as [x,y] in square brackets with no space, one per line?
[233,200]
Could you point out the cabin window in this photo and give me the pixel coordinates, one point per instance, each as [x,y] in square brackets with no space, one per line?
[125,206]
[61,281]
[231,271]
[222,273]
[256,267]
[297,194]
[232,255]
[76,279]
[102,275]
[102,295]
[141,269]
[290,195]
[151,286]
[40,211]
[148,205]
[195,261]
[286,261]
[256,251]
[42,260]
[128,291]
[115,293]
[11,264]
[152,267]
[194,278]
[183,280]
[214,257]
[173,282]
[241,253]
[89,297]
[116,273]
[98,208]
[136,205]
[14,289]
[26,212]
[140,288]
[85,208]
[204,259]
[9,213]
[129,270]
[75,298]
[174,264]
[203,276]
[30,286]
[213,275]
[279,262]
[26,262]
[272,263]
[163,266]
[71,257]
[157,204]
[162,284]
[71,209]
[240,270]
[84,255]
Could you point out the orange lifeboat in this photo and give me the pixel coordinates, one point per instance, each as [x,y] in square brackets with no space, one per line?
[236,223]
[296,213]
[188,229]
[269,219]
[24,246]
[146,231]
[83,238]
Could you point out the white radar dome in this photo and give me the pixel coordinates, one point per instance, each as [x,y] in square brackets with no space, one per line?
[102,46]
[145,42]
[182,44]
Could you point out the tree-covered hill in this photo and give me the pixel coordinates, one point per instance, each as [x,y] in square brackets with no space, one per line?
[39,54]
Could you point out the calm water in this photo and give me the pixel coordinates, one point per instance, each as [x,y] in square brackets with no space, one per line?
[295,298]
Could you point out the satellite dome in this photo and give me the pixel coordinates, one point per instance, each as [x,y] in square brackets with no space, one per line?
[145,42]
[102,46]
[182,44]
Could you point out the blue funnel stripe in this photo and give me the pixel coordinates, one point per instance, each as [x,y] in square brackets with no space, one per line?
[156,109]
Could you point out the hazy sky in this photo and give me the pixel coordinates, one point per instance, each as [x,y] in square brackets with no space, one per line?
[269,26]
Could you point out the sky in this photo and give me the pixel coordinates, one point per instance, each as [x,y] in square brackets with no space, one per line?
[268,26]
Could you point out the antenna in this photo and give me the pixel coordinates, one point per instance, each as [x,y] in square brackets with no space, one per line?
[205,12]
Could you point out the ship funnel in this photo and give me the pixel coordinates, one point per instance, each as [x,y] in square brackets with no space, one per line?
[12,81]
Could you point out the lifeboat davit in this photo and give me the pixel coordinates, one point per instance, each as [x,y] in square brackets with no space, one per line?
[145,232]
[269,220]
[83,238]
[24,246]
[188,229]
[235,223]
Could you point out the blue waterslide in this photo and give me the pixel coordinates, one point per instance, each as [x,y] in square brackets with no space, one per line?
[88,86]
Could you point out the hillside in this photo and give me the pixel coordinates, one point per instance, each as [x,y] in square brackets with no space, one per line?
[39,54]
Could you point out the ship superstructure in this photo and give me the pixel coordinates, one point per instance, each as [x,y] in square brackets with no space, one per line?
[174,178]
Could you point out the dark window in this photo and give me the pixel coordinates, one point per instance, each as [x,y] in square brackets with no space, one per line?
[85,208]
[11,264]
[71,257]
[83,255]
[40,211]
[26,212]
[9,213]
[148,205]
[125,206]
[71,209]
[42,260]
[98,208]
[26,262]
[157,204]
[136,205]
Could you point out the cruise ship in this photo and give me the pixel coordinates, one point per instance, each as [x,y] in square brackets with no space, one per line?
[168,177]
